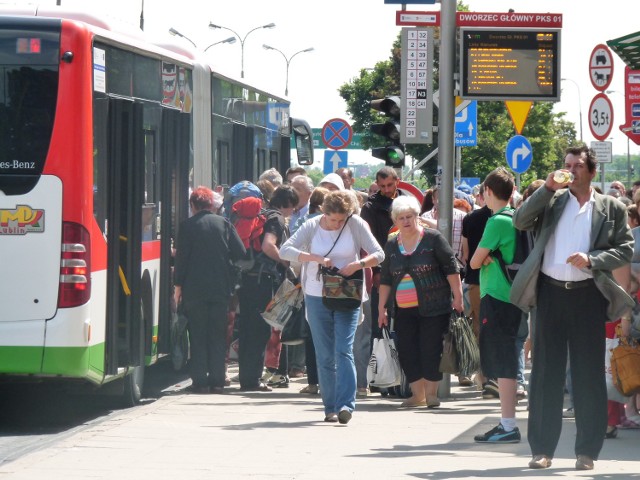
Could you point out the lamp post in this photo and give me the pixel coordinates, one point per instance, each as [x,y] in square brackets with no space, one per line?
[176,33]
[579,102]
[608,92]
[242,40]
[226,40]
[288,60]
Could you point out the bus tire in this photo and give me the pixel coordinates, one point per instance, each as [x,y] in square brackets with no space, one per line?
[134,380]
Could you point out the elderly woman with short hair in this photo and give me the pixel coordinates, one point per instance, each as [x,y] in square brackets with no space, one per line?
[420,282]
[334,239]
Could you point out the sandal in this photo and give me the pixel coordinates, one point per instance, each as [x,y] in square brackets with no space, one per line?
[630,422]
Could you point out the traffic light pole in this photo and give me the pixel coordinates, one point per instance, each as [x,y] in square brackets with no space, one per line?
[446,114]
[446,154]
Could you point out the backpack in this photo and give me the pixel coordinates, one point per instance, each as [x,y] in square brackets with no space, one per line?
[524,245]
[243,206]
[239,191]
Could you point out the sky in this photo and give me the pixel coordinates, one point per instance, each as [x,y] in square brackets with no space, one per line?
[349,35]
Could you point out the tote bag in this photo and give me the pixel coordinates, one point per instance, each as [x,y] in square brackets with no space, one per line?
[384,366]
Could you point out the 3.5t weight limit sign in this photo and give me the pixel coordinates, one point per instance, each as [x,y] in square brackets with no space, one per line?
[601,117]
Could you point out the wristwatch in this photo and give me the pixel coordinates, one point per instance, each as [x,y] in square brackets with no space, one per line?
[362,263]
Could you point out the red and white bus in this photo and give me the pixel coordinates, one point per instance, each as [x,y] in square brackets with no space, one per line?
[100,132]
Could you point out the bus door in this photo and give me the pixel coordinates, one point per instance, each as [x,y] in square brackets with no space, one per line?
[125,187]
[175,143]
[243,155]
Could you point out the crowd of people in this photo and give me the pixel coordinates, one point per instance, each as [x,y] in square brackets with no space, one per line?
[579,280]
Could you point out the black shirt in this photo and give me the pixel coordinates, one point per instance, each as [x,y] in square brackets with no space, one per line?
[472,229]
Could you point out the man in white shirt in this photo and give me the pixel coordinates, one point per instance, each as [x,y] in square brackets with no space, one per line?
[580,237]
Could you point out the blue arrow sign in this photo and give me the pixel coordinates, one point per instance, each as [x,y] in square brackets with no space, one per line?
[466,126]
[519,154]
[333,160]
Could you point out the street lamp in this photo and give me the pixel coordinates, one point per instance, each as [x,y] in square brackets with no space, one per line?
[608,92]
[226,40]
[242,40]
[579,102]
[176,33]
[288,60]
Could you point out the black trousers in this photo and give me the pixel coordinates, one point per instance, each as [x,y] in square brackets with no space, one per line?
[573,319]
[254,332]
[419,343]
[208,339]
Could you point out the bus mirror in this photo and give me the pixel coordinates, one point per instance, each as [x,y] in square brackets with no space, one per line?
[303,138]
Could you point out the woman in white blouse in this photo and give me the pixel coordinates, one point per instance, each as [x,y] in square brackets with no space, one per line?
[333,239]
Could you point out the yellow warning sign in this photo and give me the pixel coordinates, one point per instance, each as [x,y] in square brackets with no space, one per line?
[519,111]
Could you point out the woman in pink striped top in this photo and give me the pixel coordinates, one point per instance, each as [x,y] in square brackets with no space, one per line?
[419,286]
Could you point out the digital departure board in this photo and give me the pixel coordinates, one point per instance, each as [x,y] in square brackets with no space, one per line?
[510,64]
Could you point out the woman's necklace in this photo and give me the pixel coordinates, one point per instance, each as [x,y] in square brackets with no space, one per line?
[408,249]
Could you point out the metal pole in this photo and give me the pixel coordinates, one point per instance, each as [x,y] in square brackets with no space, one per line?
[446,114]
[628,166]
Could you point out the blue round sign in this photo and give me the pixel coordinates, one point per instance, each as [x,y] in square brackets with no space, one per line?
[519,154]
[336,134]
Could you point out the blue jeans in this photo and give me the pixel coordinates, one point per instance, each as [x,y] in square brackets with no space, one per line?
[333,333]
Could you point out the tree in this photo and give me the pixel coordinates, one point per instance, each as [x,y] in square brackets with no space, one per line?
[549,133]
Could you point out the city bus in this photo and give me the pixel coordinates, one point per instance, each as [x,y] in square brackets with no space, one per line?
[102,134]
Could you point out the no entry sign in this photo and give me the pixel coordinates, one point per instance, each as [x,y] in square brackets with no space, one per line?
[336,134]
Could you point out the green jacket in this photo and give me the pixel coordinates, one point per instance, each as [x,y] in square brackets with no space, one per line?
[611,246]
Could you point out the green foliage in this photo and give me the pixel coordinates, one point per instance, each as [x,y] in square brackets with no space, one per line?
[549,133]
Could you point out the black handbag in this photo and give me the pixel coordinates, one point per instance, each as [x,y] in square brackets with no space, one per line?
[296,330]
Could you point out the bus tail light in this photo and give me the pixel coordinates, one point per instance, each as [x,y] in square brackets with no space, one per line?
[75,266]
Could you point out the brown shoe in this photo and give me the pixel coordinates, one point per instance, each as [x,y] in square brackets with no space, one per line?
[310,389]
[465,381]
[584,463]
[540,461]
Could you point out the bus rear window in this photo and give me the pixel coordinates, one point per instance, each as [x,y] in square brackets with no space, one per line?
[28,93]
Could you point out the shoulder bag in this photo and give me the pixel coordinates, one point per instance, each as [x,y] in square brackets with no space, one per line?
[625,365]
[340,293]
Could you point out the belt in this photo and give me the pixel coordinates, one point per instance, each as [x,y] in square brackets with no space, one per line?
[566,285]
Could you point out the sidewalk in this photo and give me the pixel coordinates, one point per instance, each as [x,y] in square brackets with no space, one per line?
[281,435]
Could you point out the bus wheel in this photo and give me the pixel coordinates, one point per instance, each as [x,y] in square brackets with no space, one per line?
[134,381]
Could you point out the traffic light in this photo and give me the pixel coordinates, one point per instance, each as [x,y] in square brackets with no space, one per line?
[393,152]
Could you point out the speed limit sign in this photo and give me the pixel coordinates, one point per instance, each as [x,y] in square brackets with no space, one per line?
[601,116]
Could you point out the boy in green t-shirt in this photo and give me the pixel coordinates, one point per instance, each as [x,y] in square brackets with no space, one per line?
[499,319]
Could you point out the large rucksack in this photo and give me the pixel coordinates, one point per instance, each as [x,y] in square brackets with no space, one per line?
[523,247]
[243,207]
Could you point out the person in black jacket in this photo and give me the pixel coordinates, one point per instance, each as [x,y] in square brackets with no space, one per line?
[205,246]
[377,213]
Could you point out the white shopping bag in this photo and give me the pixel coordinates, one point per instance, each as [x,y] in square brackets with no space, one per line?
[384,366]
